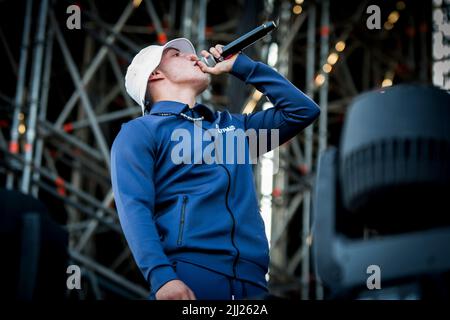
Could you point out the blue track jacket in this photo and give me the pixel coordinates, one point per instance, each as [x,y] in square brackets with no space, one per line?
[207,214]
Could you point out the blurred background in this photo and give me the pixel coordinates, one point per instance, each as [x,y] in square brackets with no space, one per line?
[63,100]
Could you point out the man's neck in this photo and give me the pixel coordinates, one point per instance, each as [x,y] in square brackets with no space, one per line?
[183,97]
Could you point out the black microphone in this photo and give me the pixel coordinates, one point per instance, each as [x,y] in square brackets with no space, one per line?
[241,43]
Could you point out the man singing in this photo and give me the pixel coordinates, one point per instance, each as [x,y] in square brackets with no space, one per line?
[195,228]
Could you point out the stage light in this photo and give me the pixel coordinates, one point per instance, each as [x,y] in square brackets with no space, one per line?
[382,177]
[320,79]
[299,1]
[333,58]
[393,17]
[327,68]
[22,129]
[388,78]
[297,9]
[386,83]
[340,46]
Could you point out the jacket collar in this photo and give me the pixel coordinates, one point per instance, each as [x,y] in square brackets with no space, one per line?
[175,107]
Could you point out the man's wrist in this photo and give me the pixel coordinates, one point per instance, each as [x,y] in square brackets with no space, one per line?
[160,276]
[243,66]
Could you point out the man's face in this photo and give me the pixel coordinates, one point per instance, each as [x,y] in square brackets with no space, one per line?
[181,68]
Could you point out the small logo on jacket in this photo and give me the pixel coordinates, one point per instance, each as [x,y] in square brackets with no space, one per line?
[226,145]
[226,129]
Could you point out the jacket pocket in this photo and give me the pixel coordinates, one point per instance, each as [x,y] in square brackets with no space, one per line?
[182,221]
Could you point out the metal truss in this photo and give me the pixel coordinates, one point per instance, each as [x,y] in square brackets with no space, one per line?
[292,271]
[79,136]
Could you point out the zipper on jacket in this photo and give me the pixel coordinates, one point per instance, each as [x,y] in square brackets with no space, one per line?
[233,229]
[182,219]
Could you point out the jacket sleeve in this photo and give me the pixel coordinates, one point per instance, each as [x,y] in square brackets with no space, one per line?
[132,164]
[292,110]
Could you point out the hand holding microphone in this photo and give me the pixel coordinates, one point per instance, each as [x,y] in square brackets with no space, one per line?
[221,58]
[218,68]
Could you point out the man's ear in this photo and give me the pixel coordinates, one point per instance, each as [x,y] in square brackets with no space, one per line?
[156,75]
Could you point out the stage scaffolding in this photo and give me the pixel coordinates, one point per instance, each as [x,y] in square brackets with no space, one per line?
[79,137]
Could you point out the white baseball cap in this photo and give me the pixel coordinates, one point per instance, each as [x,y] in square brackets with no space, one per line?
[145,62]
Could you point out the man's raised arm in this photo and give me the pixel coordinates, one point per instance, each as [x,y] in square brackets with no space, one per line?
[292,111]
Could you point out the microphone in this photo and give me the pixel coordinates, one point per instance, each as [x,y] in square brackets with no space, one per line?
[240,43]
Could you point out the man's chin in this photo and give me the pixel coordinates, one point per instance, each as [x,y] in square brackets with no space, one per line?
[204,82]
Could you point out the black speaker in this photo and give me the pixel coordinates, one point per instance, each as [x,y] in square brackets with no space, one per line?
[381,198]
[395,149]
[34,250]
